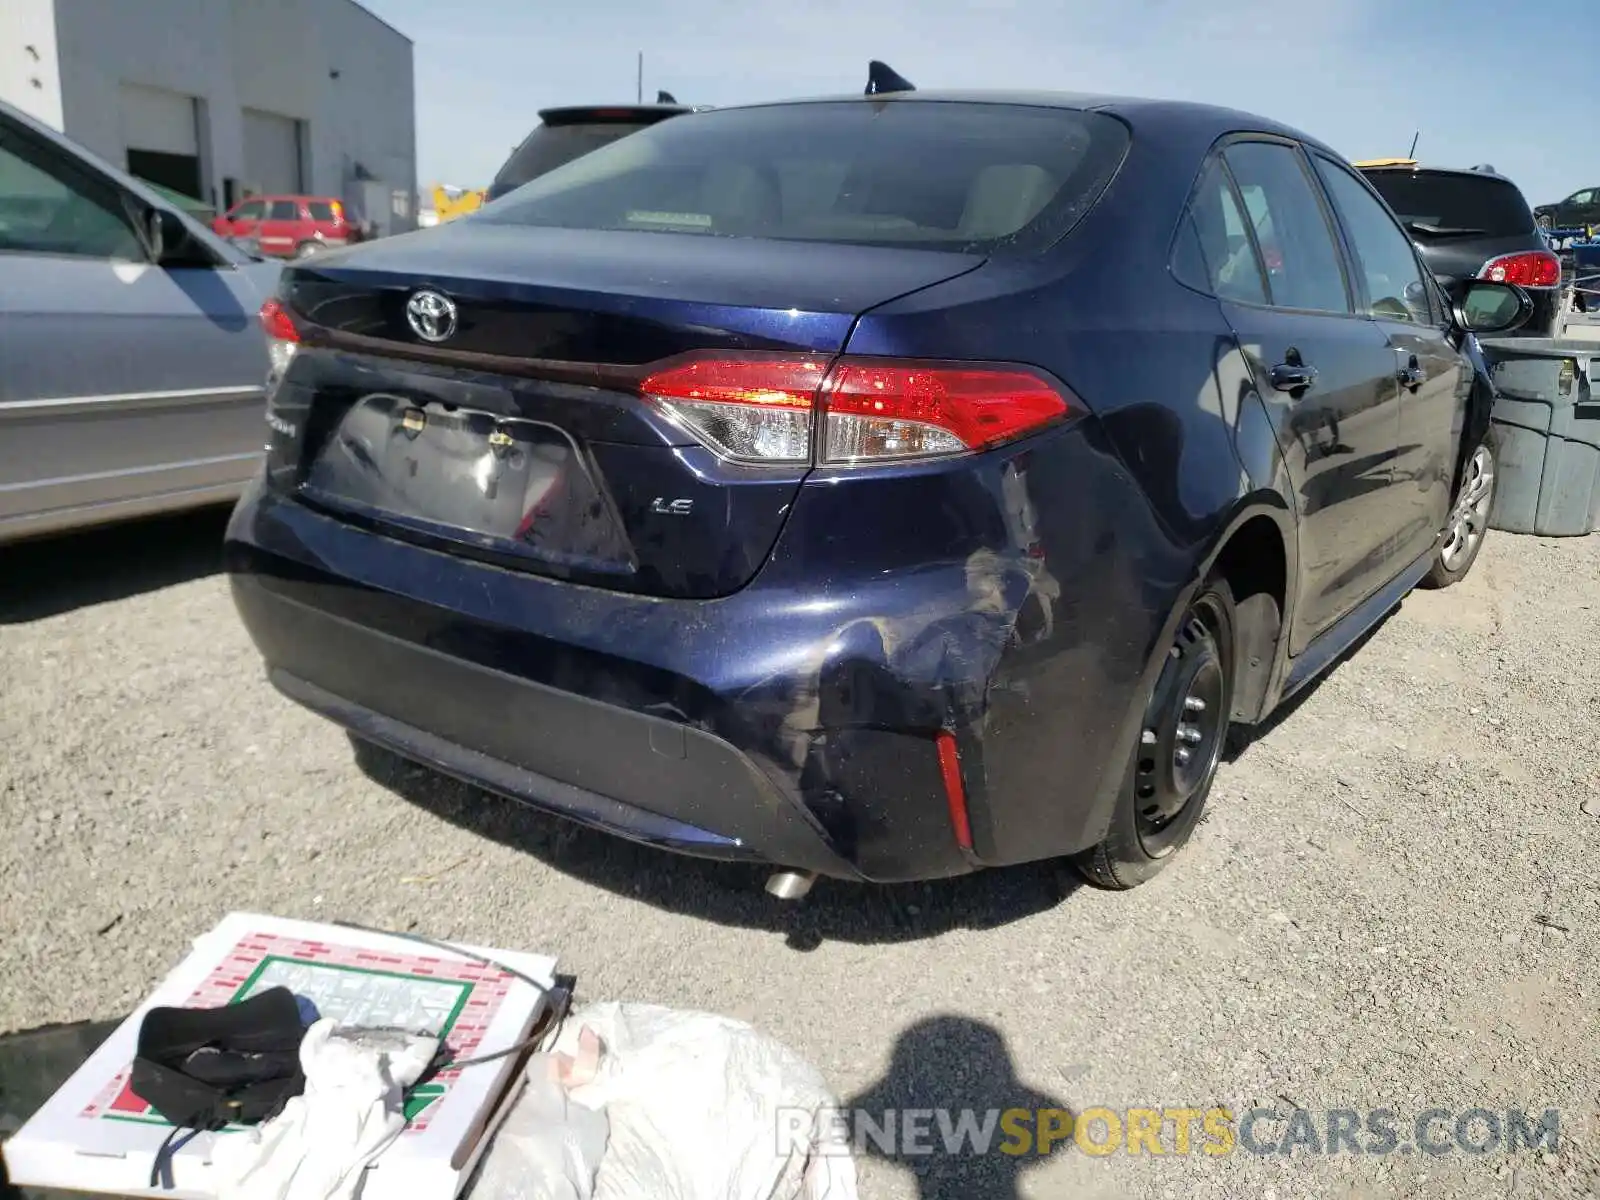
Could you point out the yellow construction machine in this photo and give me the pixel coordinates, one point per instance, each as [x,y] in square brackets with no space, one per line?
[450,202]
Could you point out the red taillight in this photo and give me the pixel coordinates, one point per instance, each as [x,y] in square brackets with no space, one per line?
[759,408]
[907,410]
[749,409]
[282,339]
[338,210]
[276,321]
[1536,268]
[955,793]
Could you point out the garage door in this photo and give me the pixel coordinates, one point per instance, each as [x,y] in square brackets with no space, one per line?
[271,152]
[161,132]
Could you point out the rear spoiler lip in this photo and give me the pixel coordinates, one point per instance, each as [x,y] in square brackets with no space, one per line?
[572,114]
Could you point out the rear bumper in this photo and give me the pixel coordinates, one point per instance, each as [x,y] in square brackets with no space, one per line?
[622,772]
[792,722]
[705,757]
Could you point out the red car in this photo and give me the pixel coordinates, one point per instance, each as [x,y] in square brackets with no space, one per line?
[289,226]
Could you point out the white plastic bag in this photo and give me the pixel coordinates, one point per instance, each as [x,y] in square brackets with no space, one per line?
[548,1147]
[698,1107]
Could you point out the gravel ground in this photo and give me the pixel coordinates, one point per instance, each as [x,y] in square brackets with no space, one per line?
[1393,905]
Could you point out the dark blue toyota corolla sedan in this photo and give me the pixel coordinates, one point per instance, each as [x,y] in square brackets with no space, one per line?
[880,488]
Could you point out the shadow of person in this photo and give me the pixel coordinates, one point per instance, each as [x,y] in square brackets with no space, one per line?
[959,1068]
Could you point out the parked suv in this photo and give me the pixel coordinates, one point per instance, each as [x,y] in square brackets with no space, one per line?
[564,134]
[1474,223]
[289,226]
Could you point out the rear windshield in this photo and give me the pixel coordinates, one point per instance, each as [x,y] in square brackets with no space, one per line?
[1454,204]
[549,146]
[973,177]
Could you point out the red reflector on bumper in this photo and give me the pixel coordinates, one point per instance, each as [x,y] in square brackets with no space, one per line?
[955,794]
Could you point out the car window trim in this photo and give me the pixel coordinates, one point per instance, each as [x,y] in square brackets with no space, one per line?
[1215,151]
[1243,210]
[78,177]
[1424,272]
[1186,217]
[1187,222]
[1340,251]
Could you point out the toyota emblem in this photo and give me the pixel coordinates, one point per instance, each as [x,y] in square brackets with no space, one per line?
[432,316]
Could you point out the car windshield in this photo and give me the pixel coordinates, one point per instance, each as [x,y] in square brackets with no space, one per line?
[1447,202]
[549,146]
[961,176]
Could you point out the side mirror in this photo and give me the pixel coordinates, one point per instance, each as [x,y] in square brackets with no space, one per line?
[1484,306]
[152,230]
[166,239]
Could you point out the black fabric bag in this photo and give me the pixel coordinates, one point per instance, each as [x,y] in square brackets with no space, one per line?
[202,1069]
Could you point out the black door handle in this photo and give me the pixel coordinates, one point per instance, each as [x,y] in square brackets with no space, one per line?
[1293,377]
[1412,375]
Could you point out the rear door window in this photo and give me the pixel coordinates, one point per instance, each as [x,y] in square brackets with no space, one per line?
[1385,260]
[284,210]
[1445,204]
[1304,268]
[974,177]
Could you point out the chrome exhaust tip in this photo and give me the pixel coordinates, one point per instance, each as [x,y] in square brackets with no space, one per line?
[790,885]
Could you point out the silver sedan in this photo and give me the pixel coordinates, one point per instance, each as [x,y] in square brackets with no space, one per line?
[131,357]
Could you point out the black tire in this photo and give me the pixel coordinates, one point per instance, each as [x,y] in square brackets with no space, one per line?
[307,249]
[1544,221]
[1468,522]
[1175,759]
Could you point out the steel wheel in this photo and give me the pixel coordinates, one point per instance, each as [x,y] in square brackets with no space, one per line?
[1183,730]
[1469,520]
[1181,743]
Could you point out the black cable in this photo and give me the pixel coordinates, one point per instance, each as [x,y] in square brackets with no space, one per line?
[435,943]
[161,1168]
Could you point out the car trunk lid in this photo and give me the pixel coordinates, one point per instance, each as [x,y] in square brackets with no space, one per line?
[520,434]
[1460,220]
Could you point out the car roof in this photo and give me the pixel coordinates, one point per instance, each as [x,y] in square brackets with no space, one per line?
[198,229]
[1195,118]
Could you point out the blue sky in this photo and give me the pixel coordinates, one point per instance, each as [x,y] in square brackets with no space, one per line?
[1363,75]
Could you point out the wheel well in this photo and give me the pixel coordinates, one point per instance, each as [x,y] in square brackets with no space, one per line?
[1256,568]
[1479,426]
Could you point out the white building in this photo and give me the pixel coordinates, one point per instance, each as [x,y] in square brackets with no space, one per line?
[223,98]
